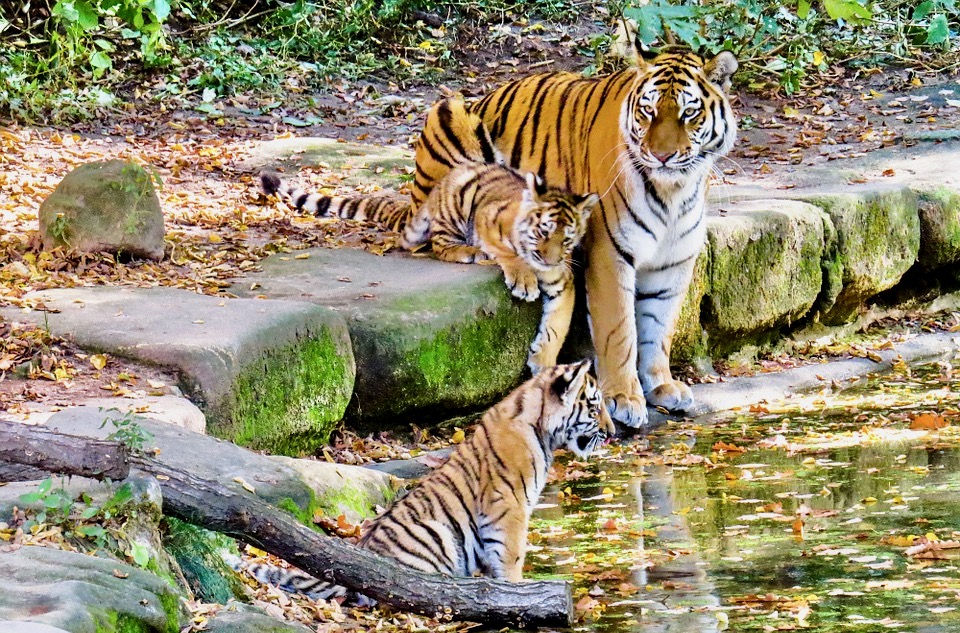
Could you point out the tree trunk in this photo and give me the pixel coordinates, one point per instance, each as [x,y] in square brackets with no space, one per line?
[58,453]
[242,515]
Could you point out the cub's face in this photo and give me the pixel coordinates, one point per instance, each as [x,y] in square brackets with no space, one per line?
[553,224]
[678,116]
[580,421]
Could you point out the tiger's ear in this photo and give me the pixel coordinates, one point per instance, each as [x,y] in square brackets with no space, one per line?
[632,47]
[587,205]
[719,69]
[533,188]
[568,383]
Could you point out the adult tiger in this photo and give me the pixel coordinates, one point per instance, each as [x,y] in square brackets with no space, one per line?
[646,139]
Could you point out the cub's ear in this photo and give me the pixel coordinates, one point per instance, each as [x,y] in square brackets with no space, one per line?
[588,204]
[719,69]
[568,382]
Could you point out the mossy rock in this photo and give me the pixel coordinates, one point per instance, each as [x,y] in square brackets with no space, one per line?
[197,552]
[764,270]
[429,338]
[271,375]
[352,491]
[939,228]
[241,618]
[878,240]
[106,206]
[87,594]
[280,481]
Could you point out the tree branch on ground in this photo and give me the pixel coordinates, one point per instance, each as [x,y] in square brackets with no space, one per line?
[242,515]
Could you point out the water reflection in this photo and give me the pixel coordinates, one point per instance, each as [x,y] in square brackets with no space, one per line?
[805,530]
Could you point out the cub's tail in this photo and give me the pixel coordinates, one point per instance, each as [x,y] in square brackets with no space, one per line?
[295,581]
[390,213]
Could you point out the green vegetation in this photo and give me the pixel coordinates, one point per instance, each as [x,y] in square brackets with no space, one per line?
[71,58]
[788,41]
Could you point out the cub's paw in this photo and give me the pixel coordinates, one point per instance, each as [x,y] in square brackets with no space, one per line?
[630,410]
[523,284]
[672,395]
[461,254]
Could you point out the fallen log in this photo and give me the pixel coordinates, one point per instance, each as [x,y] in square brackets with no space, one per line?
[241,514]
[44,450]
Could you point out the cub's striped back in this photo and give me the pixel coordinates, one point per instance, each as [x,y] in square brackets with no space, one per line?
[470,515]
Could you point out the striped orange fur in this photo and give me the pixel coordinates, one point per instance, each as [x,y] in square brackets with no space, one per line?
[645,139]
[469,516]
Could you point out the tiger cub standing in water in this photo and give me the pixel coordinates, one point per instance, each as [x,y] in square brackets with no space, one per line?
[470,515]
[481,212]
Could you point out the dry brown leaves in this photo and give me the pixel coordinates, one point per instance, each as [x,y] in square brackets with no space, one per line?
[218,225]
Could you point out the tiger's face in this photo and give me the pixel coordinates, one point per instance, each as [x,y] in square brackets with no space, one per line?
[552,223]
[678,116]
[580,421]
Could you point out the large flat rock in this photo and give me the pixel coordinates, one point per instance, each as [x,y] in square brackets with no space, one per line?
[428,337]
[85,594]
[275,375]
[764,269]
[877,240]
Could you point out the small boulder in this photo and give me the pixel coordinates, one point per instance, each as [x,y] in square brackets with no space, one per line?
[107,206]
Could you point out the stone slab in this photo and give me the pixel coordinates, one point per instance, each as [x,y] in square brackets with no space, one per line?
[429,337]
[275,375]
[764,269]
[81,594]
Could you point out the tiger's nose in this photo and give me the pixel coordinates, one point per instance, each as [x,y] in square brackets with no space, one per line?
[663,158]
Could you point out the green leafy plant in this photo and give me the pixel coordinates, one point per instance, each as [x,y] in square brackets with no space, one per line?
[55,501]
[790,41]
[127,431]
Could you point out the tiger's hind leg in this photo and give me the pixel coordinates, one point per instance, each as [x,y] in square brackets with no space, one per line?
[452,249]
[416,233]
[505,544]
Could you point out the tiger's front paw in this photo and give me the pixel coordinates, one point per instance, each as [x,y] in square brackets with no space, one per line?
[630,410]
[539,359]
[671,395]
[523,284]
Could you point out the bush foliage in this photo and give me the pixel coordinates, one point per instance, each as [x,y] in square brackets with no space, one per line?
[71,57]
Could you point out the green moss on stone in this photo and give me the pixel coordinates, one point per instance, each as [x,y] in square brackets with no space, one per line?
[765,272]
[878,238]
[197,552]
[334,502]
[425,353]
[939,228]
[290,400]
[303,514]
[171,606]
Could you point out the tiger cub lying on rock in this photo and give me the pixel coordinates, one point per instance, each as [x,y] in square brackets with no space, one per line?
[481,212]
[469,516]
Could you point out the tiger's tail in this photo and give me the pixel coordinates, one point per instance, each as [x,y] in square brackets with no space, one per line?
[416,233]
[296,581]
[390,213]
